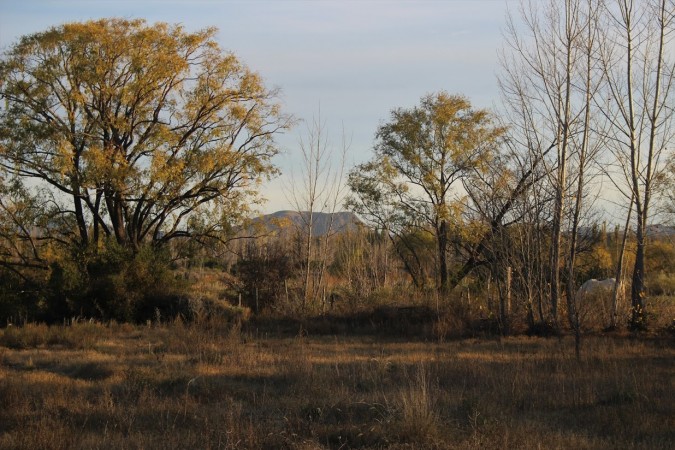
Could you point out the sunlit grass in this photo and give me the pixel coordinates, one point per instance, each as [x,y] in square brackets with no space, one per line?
[180,386]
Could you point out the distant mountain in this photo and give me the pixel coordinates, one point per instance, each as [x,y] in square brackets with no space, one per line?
[659,230]
[321,222]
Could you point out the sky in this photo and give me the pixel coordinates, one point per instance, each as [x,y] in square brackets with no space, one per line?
[351,61]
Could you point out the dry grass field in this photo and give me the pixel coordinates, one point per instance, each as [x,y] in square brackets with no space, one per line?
[94,386]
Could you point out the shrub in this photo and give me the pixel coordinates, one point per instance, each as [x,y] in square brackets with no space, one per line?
[115,283]
[263,271]
[662,283]
[19,299]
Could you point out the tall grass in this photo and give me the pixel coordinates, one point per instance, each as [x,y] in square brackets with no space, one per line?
[419,416]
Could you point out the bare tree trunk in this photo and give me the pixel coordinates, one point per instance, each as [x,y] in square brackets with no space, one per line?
[443,256]
[618,276]
[638,281]
[505,303]
[564,115]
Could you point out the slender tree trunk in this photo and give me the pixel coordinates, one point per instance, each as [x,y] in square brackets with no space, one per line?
[324,256]
[306,298]
[556,244]
[564,118]
[637,288]
[505,303]
[618,276]
[572,312]
[79,210]
[443,255]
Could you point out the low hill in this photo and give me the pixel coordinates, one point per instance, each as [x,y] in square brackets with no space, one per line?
[338,222]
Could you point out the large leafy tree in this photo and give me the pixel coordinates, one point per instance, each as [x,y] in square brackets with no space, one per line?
[423,155]
[134,132]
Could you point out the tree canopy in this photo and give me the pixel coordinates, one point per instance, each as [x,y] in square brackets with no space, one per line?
[422,155]
[137,132]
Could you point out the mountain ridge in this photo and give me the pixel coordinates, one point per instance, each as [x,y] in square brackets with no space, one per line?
[342,221]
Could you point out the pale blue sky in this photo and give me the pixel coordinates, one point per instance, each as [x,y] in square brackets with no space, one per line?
[357,59]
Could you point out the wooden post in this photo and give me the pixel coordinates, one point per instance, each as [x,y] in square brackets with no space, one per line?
[240,299]
[256,300]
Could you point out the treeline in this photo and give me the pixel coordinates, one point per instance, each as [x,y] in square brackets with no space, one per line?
[367,268]
[131,156]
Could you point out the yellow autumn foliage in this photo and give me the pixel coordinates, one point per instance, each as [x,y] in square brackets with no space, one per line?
[142,126]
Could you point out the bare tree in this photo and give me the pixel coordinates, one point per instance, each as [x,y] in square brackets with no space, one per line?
[587,146]
[319,188]
[548,86]
[639,67]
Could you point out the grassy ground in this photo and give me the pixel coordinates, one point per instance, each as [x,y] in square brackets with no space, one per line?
[90,386]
